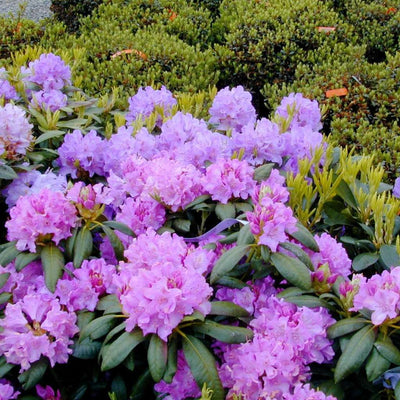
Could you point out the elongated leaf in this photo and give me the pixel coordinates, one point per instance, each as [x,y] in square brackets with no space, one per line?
[333,389]
[202,365]
[293,270]
[224,333]
[33,375]
[76,123]
[227,309]
[98,327]
[53,264]
[299,253]
[231,282]
[70,243]
[290,292]
[344,191]
[5,367]
[356,352]
[140,386]
[376,365]
[364,260]
[224,211]
[388,350]
[172,359]
[109,304]
[86,349]
[119,328]
[83,246]
[308,301]
[263,172]
[157,354]
[115,353]
[115,242]
[227,262]
[8,255]
[397,391]
[49,135]
[345,326]
[4,278]
[389,256]
[6,172]
[5,297]
[304,236]
[23,259]
[118,387]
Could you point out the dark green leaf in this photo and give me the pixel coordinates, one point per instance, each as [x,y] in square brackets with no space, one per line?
[118,387]
[79,393]
[376,365]
[224,211]
[6,172]
[333,389]
[197,201]
[181,225]
[115,353]
[228,309]
[139,388]
[202,365]
[224,333]
[171,359]
[157,354]
[335,217]
[290,292]
[119,328]
[304,236]
[344,191]
[227,262]
[388,350]
[195,316]
[364,260]
[5,297]
[115,242]
[265,253]
[109,304]
[84,317]
[299,253]
[263,172]
[98,327]
[345,326]
[356,352]
[33,375]
[70,243]
[83,246]
[389,256]
[8,255]
[308,301]
[23,259]
[49,135]
[5,367]
[245,236]
[53,264]
[4,278]
[231,282]
[293,270]
[86,349]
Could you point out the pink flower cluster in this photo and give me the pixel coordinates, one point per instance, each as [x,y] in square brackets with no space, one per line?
[161,283]
[39,218]
[379,294]
[36,326]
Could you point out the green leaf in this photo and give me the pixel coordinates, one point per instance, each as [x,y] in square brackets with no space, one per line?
[304,236]
[83,246]
[197,201]
[6,172]
[308,301]
[4,278]
[33,375]
[294,271]
[109,304]
[389,256]
[86,349]
[224,211]
[49,135]
[388,350]
[118,387]
[119,226]
[195,316]
[228,309]
[53,264]
[119,328]
[224,333]
[397,391]
[181,225]
[140,387]
[5,367]
[364,260]
[202,365]
[8,254]
[245,236]
[299,253]
[231,282]
[263,172]
[70,243]
[344,191]
[333,389]
[227,262]
[376,365]
[345,326]
[335,217]
[115,353]
[98,327]
[157,354]
[356,352]
[290,292]
[5,297]
[76,123]
[172,359]
[23,259]
[115,242]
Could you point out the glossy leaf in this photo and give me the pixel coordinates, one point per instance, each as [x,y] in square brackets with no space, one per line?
[224,211]
[83,246]
[157,354]
[364,260]
[355,353]
[109,304]
[293,270]
[5,367]
[228,309]
[224,333]
[202,365]
[115,353]
[308,301]
[299,253]
[389,256]
[4,278]
[53,264]
[6,172]
[388,350]
[344,191]
[345,326]
[8,254]
[115,242]
[23,259]
[32,376]
[86,349]
[304,236]
[172,359]
[376,365]
[98,328]
[227,262]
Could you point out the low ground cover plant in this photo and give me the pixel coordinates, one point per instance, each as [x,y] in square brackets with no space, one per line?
[185,247]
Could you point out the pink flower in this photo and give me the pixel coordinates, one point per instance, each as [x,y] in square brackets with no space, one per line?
[47,393]
[41,217]
[7,391]
[305,392]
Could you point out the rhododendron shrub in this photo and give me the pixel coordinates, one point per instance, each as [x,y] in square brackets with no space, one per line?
[150,254]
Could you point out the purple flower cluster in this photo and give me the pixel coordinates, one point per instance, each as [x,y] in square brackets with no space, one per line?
[161,283]
[7,91]
[40,218]
[7,391]
[15,131]
[36,326]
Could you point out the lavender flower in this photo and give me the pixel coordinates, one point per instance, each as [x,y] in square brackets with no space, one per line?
[7,390]
[49,99]
[7,91]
